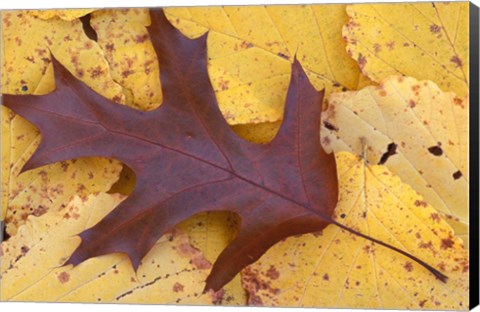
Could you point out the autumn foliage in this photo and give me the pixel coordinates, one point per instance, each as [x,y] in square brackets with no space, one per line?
[211,189]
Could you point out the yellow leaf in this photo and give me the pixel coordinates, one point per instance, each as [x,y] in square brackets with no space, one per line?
[337,269]
[250,50]
[125,183]
[422,40]
[260,133]
[27,43]
[35,191]
[211,232]
[425,129]
[67,15]
[172,272]
[133,62]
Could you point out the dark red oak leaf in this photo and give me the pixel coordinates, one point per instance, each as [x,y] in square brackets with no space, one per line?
[188,160]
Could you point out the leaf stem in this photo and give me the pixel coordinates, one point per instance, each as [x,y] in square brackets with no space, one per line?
[439,275]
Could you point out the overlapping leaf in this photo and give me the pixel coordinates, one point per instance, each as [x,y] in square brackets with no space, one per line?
[123,36]
[428,41]
[173,272]
[416,130]
[276,185]
[36,191]
[335,269]
[27,44]
[250,50]
[211,232]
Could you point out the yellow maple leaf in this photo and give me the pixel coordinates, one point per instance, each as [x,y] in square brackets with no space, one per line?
[26,65]
[172,272]
[250,50]
[422,40]
[34,192]
[336,269]
[419,132]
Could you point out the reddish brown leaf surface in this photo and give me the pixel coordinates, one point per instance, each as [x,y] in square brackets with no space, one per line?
[187,159]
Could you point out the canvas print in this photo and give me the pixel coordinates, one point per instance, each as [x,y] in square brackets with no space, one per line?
[282,155]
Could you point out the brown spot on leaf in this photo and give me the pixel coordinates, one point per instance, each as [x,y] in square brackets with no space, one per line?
[140,39]
[110,47]
[255,301]
[411,103]
[63,277]
[96,72]
[458,101]
[457,61]
[428,245]
[325,277]
[408,266]
[127,73]
[178,287]
[40,210]
[390,45]
[435,217]
[447,243]
[434,28]
[80,73]
[457,175]
[24,250]
[420,203]
[88,45]
[362,61]
[435,150]
[272,273]
[246,45]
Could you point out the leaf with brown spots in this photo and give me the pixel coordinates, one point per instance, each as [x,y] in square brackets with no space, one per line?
[334,269]
[419,132]
[32,263]
[251,48]
[27,44]
[211,232]
[280,189]
[421,40]
[36,191]
[123,36]
[67,15]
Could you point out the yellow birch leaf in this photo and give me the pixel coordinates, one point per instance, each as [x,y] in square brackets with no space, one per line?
[27,43]
[211,232]
[422,40]
[67,15]
[337,269]
[34,192]
[250,50]
[172,272]
[133,62]
[419,132]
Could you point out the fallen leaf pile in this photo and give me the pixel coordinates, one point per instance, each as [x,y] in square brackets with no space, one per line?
[217,167]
